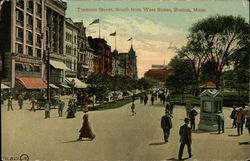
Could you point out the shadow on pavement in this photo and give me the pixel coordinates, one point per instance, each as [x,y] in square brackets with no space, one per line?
[233,135]
[244,143]
[216,133]
[72,141]
[174,159]
[159,143]
[199,131]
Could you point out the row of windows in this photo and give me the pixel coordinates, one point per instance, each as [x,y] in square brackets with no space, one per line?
[70,38]
[27,68]
[70,50]
[19,36]
[30,4]
[71,65]
[29,50]
[19,18]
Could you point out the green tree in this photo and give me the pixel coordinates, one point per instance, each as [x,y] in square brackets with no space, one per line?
[182,76]
[216,39]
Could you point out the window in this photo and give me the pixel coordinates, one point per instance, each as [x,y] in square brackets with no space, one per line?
[27,68]
[19,3]
[19,34]
[29,36]
[29,50]
[19,48]
[19,15]
[38,40]
[38,53]
[30,5]
[29,20]
[36,68]
[19,67]
[38,25]
[39,9]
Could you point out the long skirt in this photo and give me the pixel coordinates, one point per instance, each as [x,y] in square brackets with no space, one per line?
[86,132]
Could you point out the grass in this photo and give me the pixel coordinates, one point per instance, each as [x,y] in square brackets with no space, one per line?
[115,104]
[230,99]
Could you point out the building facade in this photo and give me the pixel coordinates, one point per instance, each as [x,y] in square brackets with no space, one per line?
[55,26]
[85,53]
[21,43]
[102,55]
[71,47]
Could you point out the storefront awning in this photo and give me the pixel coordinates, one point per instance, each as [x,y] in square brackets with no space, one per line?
[78,83]
[53,86]
[4,86]
[64,86]
[30,83]
[58,65]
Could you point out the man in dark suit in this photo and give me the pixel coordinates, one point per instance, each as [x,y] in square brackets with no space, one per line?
[185,133]
[166,125]
[192,115]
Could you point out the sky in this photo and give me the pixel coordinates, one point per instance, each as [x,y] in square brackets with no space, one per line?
[154,33]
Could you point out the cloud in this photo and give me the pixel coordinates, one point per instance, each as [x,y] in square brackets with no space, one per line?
[150,40]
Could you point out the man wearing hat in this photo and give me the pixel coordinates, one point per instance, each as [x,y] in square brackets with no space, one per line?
[166,125]
[185,134]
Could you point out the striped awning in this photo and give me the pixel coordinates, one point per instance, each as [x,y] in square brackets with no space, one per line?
[30,83]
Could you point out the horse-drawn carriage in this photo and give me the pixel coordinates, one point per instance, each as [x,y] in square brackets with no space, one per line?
[42,101]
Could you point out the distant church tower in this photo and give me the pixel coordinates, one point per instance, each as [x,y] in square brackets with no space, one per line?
[133,59]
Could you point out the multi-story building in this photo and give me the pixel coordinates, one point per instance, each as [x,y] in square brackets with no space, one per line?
[103,55]
[85,53]
[71,47]
[55,25]
[21,29]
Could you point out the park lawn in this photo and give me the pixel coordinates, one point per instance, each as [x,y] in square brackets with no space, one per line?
[114,104]
[230,99]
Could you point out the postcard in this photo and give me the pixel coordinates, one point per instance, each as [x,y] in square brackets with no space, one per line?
[124,80]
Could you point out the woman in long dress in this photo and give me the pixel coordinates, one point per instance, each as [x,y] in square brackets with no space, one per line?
[85,131]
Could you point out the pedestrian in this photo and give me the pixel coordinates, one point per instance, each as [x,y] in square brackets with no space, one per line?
[61,105]
[167,107]
[240,119]
[185,138]
[33,102]
[233,116]
[20,101]
[155,95]
[71,109]
[192,115]
[10,104]
[220,121]
[133,98]
[152,99]
[145,99]
[166,125]
[248,125]
[141,99]
[171,106]
[133,108]
[85,131]
[163,98]
[188,108]
[47,110]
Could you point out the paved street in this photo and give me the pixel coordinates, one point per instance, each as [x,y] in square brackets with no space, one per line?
[119,136]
